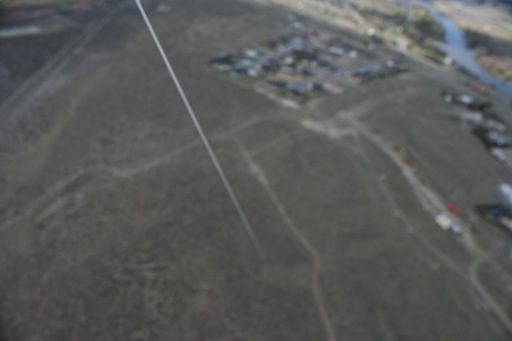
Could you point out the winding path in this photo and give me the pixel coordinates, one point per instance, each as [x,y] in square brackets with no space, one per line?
[435,204]
[260,175]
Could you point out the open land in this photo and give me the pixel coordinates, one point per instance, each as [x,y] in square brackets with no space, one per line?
[115,225]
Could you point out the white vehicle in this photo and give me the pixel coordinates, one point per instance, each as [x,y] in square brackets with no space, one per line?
[456,229]
[444,221]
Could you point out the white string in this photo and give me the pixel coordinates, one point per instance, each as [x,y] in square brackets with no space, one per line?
[222,175]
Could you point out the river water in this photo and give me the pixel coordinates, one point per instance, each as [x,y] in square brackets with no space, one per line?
[456,47]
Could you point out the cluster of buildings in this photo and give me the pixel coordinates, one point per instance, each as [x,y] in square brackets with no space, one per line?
[301,64]
[383,69]
[490,128]
[492,131]
[486,125]
[501,214]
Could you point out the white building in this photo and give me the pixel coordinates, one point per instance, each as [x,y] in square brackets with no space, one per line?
[504,194]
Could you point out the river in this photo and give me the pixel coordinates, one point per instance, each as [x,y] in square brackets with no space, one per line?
[456,47]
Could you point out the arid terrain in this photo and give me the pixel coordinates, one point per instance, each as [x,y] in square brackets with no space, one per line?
[114,224]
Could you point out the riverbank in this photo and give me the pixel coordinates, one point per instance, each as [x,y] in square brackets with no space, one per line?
[421,32]
[495,55]
[488,31]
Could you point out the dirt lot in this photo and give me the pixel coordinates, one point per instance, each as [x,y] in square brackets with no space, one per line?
[115,225]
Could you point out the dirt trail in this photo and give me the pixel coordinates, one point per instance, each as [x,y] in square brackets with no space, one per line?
[55,193]
[259,174]
[434,204]
[31,88]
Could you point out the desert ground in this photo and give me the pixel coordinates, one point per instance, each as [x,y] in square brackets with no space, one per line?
[114,224]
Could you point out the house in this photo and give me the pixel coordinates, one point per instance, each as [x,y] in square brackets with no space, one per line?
[318,87]
[505,221]
[465,99]
[278,84]
[504,194]
[325,63]
[498,153]
[271,65]
[353,54]
[390,64]
[503,155]
[251,53]
[305,71]
[289,61]
[253,71]
[300,89]
[473,117]
[491,124]
[241,69]
[336,51]
[503,216]
[498,138]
